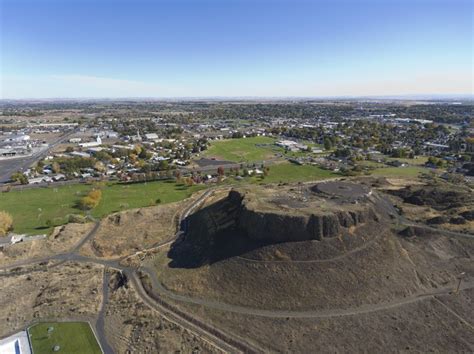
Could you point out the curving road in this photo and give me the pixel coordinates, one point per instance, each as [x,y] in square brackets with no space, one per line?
[211,335]
[155,297]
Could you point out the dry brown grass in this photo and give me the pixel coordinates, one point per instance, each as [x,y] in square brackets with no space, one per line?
[61,240]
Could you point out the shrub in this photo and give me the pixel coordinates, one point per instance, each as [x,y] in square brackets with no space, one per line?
[6,223]
[91,200]
[76,219]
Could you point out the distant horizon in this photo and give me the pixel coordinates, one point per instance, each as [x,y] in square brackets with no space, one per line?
[408,97]
[235,48]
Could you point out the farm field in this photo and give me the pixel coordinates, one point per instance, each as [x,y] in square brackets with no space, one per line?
[71,337]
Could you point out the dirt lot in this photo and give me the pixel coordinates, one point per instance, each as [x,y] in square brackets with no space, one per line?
[61,240]
[70,290]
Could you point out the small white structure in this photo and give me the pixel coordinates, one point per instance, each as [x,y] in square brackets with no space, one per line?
[151,136]
[95,143]
[16,239]
[16,344]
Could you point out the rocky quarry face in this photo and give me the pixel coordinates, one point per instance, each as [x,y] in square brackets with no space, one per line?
[247,219]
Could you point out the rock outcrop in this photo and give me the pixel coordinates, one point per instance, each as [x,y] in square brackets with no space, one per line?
[238,213]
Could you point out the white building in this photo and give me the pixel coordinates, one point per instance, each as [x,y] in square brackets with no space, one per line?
[16,344]
[95,143]
[151,136]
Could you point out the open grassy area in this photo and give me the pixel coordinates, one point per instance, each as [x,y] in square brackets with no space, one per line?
[418,161]
[33,208]
[289,172]
[71,337]
[244,149]
[410,172]
[119,196]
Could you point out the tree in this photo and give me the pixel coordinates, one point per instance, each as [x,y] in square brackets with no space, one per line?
[55,167]
[91,200]
[6,223]
[19,177]
[327,143]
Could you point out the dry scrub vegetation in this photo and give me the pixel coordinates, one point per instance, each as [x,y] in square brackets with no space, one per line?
[61,240]
[69,291]
[129,231]
[131,326]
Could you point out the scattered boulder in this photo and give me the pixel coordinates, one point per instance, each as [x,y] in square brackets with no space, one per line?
[468,215]
[457,220]
[437,220]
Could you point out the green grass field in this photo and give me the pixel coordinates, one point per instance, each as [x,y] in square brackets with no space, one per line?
[419,161]
[32,208]
[244,149]
[289,172]
[410,172]
[72,338]
[119,197]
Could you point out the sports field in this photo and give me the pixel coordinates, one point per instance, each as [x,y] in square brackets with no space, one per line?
[37,210]
[410,172]
[252,149]
[289,172]
[71,337]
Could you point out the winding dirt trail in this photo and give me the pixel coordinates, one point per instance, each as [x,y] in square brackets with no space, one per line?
[155,297]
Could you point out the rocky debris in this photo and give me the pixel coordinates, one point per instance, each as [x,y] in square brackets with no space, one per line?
[441,219]
[118,280]
[408,232]
[468,215]
[246,221]
[457,220]
[437,197]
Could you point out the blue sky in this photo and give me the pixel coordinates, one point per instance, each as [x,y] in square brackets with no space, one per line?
[197,48]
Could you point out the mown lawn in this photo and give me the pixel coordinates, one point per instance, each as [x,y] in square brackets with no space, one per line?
[128,196]
[418,161]
[32,208]
[410,172]
[289,172]
[244,149]
[71,337]
[37,210]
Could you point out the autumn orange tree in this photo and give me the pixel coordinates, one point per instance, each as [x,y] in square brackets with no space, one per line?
[6,223]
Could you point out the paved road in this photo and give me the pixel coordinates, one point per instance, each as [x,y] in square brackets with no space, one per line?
[156,296]
[10,166]
[212,335]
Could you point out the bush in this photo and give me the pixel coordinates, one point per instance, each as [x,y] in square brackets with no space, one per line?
[91,200]
[6,223]
[76,219]
[20,178]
